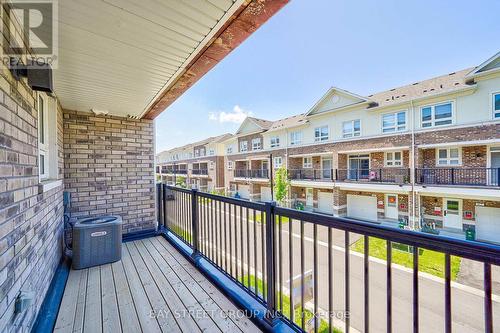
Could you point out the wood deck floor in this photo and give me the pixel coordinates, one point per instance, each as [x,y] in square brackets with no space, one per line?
[152,289]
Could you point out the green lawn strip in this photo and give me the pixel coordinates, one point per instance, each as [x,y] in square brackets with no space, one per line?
[429,261]
[323,328]
[181,233]
[261,218]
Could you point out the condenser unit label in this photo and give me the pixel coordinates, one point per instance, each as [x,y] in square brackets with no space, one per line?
[98,233]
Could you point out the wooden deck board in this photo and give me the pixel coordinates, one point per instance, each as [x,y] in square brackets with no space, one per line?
[152,278]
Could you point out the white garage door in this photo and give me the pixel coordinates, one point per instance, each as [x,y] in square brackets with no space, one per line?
[362,207]
[325,202]
[244,191]
[265,194]
[488,224]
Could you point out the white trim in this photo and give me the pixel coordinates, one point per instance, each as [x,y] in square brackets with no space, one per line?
[433,114]
[371,150]
[393,160]
[491,194]
[460,143]
[477,71]
[309,165]
[341,92]
[377,188]
[48,185]
[395,113]
[448,158]
[352,134]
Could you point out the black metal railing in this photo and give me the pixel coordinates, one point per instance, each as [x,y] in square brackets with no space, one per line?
[311,174]
[298,264]
[253,173]
[458,176]
[380,175]
[202,172]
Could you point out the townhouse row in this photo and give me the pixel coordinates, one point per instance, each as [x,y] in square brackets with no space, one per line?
[425,155]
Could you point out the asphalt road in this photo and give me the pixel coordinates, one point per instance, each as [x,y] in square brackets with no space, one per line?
[247,253]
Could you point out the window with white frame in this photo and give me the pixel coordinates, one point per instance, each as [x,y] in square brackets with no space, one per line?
[307,162]
[448,156]
[229,149]
[278,162]
[351,128]
[321,133]
[394,122]
[256,144]
[295,138]
[47,138]
[437,115]
[243,145]
[230,165]
[496,105]
[43,140]
[275,142]
[211,152]
[393,158]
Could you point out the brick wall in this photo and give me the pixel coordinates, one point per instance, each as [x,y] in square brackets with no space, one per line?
[108,168]
[31,220]
[248,139]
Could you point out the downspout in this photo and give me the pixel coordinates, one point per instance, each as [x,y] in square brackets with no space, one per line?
[412,167]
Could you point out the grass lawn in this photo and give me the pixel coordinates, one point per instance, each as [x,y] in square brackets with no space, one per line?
[431,262]
[181,233]
[323,328]
[259,217]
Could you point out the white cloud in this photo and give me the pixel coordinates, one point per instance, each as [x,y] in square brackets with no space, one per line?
[236,116]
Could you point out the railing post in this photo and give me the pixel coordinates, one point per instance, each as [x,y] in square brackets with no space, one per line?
[164,200]
[380,175]
[194,220]
[498,176]
[453,176]
[270,262]
[159,200]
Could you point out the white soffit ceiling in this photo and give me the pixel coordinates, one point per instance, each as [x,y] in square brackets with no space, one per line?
[119,55]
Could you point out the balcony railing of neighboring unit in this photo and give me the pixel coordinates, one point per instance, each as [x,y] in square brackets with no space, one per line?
[199,172]
[381,175]
[311,174]
[458,176]
[269,251]
[244,173]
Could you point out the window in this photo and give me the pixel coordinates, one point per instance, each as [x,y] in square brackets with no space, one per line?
[243,146]
[448,156]
[394,122]
[275,142]
[230,165]
[196,153]
[394,158]
[229,149]
[43,144]
[437,115]
[278,162]
[496,105]
[203,151]
[307,162]
[321,133]
[295,138]
[256,145]
[351,128]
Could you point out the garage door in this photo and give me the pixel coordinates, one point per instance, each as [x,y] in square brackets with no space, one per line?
[488,224]
[265,194]
[244,191]
[325,202]
[362,207]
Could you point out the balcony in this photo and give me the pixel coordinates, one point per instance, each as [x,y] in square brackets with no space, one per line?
[311,174]
[251,174]
[380,175]
[489,177]
[199,172]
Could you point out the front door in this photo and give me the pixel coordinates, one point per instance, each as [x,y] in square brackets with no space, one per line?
[391,206]
[495,166]
[309,197]
[452,213]
[326,166]
[359,167]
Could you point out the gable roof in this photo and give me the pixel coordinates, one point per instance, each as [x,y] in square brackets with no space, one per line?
[262,124]
[288,122]
[489,66]
[356,99]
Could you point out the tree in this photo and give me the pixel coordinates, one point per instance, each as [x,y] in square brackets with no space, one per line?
[180,181]
[281,185]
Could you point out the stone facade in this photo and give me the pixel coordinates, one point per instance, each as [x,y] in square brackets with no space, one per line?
[108,163]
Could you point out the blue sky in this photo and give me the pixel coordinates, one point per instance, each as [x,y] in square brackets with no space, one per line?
[362,46]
